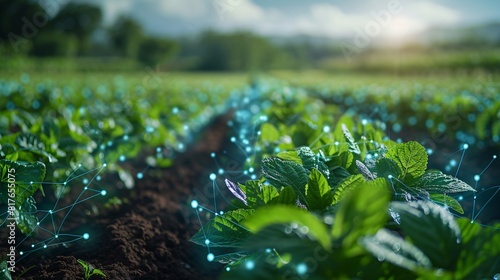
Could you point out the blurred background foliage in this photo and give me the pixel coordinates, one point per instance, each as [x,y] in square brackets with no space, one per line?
[75,38]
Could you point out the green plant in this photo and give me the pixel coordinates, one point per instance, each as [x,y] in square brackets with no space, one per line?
[334,212]
[90,270]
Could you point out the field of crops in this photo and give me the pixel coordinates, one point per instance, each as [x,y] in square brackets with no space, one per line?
[288,175]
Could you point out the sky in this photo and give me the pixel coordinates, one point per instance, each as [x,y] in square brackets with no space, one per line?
[324,18]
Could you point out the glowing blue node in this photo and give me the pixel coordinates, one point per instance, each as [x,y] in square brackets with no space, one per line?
[249,265]
[180,146]
[32,245]
[213,176]
[251,169]
[466,146]
[263,118]
[175,110]
[253,177]
[210,257]
[207,241]
[364,121]
[44,246]
[140,175]
[125,137]
[98,178]
[221,212]
[460,198]
[21,253]
[86,236]
[104,165]
[476,178]
[200,209]
[212,155]
[453,163]
[336,143]
[494,156]
[430,151]
[390,176]
[301,268]
[228,268]
[248,149]
[194,203]
[103,192]
[122,158]
[268,250]
[221,171]
[56,236]
[326,129]
[109,143]
[233,139]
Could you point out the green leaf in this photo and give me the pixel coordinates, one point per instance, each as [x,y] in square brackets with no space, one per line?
[269,133]
[347,185]
[311,161]
[447,201]
[387,246]
[285,173]
[363,212]
[285,214]
[31,143]
[432,229]
[287,196]
[25,173]
[387,167]
[291,156]
[411,158]
[434,181]
[318,193]
[25,218]
[224,230]
[9,152]
[258,194]
[480,254]
[337,174]
[4,271]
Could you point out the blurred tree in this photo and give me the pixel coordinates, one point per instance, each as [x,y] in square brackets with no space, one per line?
[126,36]
[80,20]
[54,43]
[20,21]
[153,51]
[238,51]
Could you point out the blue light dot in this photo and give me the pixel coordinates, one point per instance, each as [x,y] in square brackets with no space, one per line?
[248,149]
[44,246]
[466,146]
[86,236]
[250,265]
[301,268]
[56,236]
[207,241]
[430,151]
[233,139]
[253,177]
[103,192]
[268,250]
[476,178]
[180,146]
[122,158]
[221,171]
[326,129]
[212,155]
[98,178]
[460,198]
[390,176]
[109,143]
[228,268]
[194,203]
[175,110]
[85,188]
[200,209]
[158,150]
[494,156]
[221,212]
[210,257]
[251,169]
[125,137]
[213,176]
[21,253]
[453,163]
[140,175]
[364,122]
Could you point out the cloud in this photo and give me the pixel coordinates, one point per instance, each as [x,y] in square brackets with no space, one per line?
[433,14]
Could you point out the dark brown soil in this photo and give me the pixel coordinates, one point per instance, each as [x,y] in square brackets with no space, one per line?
[148,237]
